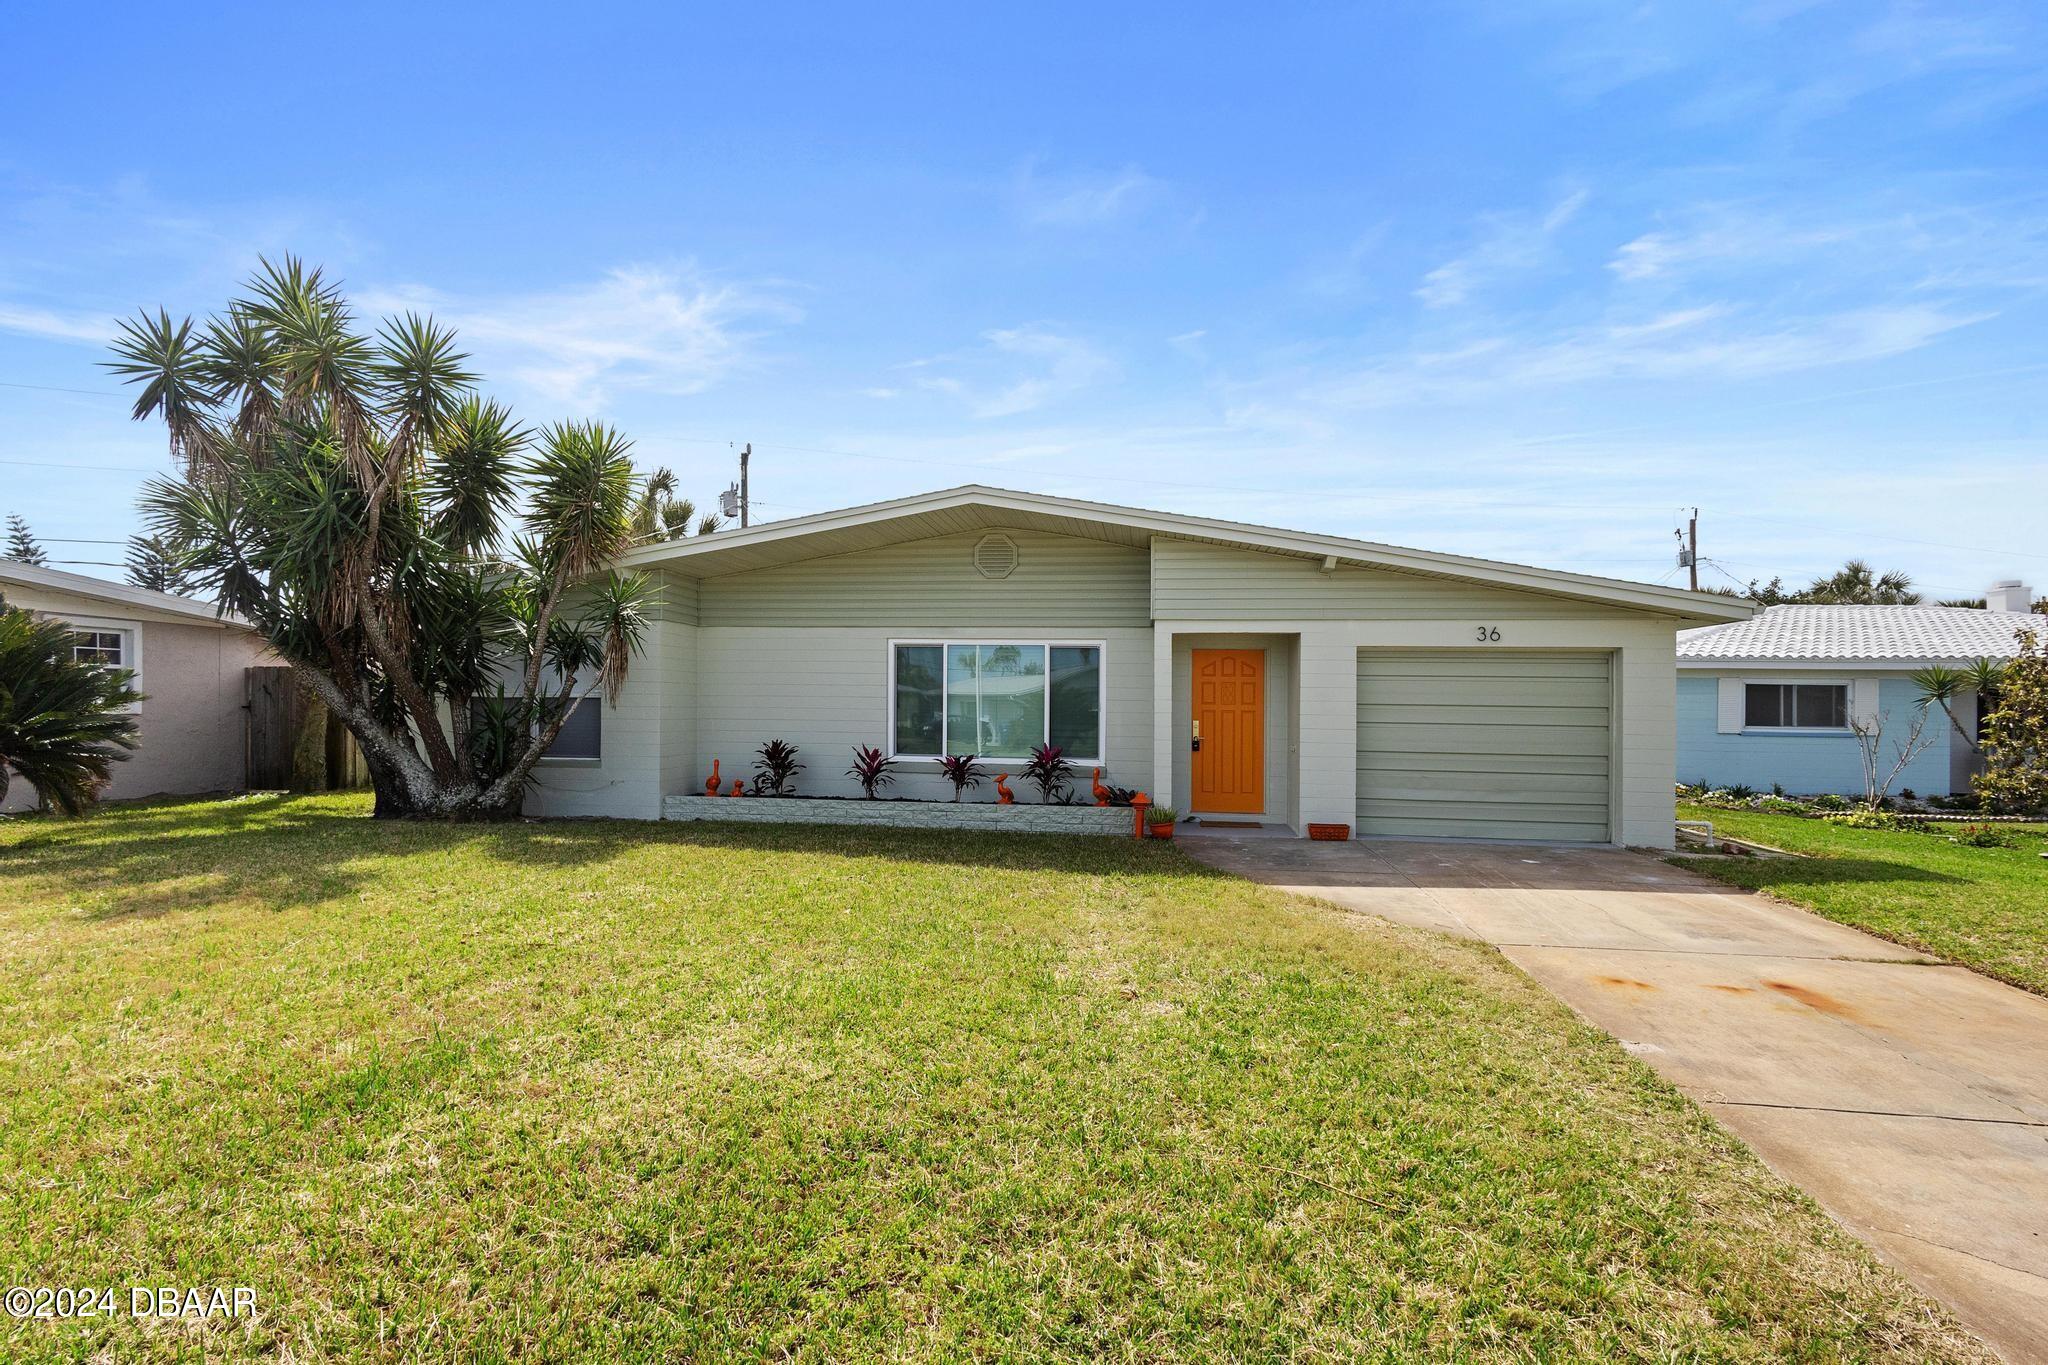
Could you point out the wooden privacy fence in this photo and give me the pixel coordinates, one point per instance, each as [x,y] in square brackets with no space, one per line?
[293,743]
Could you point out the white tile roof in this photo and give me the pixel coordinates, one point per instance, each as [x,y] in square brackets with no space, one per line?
[1920,634]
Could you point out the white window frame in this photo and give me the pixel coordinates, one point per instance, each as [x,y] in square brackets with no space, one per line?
[131,643]
[1848,706]
[1101,648]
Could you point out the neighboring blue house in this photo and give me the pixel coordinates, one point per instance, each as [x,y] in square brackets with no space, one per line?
[1768,701]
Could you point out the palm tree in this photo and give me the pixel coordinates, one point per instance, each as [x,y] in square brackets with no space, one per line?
[63,723]
[1857,584]
[655,495]
[661,514]
[355,499]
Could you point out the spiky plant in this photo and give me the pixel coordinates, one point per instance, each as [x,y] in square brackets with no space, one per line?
[777,768]
[871,768]
[63,723]
[354,498]
[1048,770]
[962,770]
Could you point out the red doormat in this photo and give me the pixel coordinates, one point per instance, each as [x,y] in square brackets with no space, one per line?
[1329,832]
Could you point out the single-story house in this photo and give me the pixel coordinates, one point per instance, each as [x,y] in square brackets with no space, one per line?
[1768,702]
[1233,671]
[189,663]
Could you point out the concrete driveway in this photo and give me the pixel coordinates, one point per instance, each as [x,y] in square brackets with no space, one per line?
[1909,1098]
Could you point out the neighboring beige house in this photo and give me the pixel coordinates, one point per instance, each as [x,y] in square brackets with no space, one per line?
[189,664]
[1235,671]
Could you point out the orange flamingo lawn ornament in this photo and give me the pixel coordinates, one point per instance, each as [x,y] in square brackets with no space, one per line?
[1101,792]
[739,787]
[711,782]
[1004,796]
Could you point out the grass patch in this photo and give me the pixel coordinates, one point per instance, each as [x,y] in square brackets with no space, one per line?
[617,1091]
[1986,908]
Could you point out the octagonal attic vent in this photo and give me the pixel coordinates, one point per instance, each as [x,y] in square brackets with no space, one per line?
[995,555]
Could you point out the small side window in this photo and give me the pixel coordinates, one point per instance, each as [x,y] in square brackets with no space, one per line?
[107,648]
[582,735]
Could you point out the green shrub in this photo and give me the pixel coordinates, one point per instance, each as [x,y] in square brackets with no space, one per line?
[1985,836]
[1864,819]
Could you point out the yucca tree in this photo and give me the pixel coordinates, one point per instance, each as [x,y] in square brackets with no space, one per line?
[62,723]
[440,576]
[1940,685]
[661,515]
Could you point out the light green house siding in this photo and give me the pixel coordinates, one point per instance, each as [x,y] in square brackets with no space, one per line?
[801,652]
[1197,580]
[1059,582]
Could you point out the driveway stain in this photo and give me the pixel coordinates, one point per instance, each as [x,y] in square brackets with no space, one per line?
[1731,990]
[1813,999]
[1625,983]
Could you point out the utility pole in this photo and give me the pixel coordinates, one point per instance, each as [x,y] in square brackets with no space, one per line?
[1689,546]
[748,449]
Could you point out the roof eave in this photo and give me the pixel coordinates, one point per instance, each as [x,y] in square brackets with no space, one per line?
[1677,602]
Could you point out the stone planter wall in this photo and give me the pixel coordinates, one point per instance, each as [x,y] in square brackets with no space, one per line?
[972,815]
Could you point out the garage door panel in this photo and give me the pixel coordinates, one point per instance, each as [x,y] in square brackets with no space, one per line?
[1541,764]
[1507,663]
[1529,831]
[1557,740]
[1421,783]
[1476,744]
[1480,716]
[1479,693]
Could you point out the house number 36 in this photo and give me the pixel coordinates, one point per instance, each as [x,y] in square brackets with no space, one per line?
[1489,635]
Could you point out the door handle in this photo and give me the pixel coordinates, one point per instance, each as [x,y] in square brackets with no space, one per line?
[1195,737]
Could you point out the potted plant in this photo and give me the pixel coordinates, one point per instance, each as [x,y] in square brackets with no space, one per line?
[775,768]
[1159,821]
[871,769]
[962,771]
[1048,770]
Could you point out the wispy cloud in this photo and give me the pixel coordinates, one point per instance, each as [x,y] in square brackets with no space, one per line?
[668,330]
[1014,370]
[1790,64]
[1705,342]
[91,329]
[1506,245]
[1081,199]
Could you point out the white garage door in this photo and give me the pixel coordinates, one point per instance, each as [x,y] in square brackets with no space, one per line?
[1483,744]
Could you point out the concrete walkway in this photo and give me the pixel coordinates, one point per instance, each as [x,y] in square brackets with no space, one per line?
[1909,1098]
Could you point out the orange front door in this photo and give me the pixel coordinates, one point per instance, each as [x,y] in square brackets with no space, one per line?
[1230,731]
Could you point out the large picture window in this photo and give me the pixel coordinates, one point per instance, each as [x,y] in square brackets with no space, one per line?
[998,699]
[1795,706]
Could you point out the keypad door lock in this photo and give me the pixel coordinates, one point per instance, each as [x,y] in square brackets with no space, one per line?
[1195,738]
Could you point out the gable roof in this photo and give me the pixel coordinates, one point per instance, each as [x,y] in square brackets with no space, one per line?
[120,598]
[1916,635]
[976,507]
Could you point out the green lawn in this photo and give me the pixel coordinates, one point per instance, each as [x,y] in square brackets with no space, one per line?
[614,1091]
[1986,908]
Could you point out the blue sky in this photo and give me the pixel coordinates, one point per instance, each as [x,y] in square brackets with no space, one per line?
[1509,279]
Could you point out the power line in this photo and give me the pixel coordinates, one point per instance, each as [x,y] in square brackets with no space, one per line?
[52,388]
